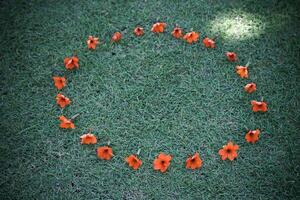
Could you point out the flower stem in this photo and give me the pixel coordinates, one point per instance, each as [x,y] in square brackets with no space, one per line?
[75,116]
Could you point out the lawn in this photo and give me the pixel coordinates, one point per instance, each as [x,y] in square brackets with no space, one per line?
[154,93]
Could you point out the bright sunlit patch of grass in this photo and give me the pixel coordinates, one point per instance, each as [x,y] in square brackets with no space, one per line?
[237,25]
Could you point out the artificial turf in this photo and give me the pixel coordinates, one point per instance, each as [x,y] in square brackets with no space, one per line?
[153,92]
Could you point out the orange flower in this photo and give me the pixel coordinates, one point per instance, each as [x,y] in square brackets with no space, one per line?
[133,161]
[209,43]
[59,82]
[92,42]
[242,71]
[138,31]
[88,139]
[252,136]
[117,36]
[229,151]
[259,106]
[231,56]
[158,27]
[162,162]
[193,162]
[250,87]
[177,32]
[191,37]
[62,100]
[71,62]
[104,153]
[66,123]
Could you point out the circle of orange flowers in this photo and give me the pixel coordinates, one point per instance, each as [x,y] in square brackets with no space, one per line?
[162,161]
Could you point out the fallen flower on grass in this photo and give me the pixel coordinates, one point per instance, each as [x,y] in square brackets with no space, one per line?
[162,162]
[259,106]
[177,32]
[193,162]
[252,136]
[229,151]
[158,27]
[138,31]
[191,37]
[231,56]
[66,123]
[92,42]
[88,138]
[209,43]
[71,62]
[104,153]
[59,82]
[250,88]
[133,161]
[242,71]
[62,101]
[117,36]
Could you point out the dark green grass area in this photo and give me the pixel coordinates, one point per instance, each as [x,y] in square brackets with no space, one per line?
[155,93]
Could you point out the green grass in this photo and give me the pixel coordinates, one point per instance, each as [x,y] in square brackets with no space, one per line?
[155,93]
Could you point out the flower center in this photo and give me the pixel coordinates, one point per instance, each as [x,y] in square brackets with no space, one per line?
[228,150]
